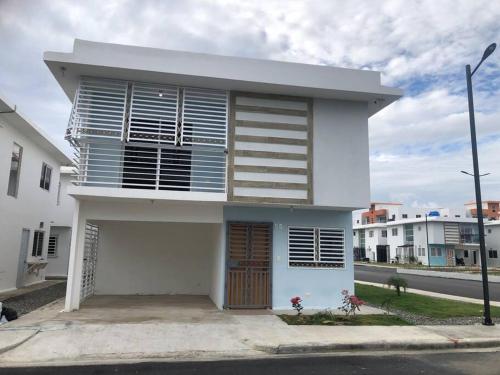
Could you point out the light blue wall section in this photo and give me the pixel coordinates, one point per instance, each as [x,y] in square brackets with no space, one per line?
[438,261]
[319,288]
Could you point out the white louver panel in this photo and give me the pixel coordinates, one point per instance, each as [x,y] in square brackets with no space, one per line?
[204,117]
[99,109]
[301,245]
[331,246]
[153,113]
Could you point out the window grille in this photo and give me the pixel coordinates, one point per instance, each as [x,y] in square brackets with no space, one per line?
[204,117]
[316,247]
[52,249]
[38,236]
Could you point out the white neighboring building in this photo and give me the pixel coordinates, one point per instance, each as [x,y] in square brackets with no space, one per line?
[394,233]
[213,175]
[60,230]
[29,180]
[492,232]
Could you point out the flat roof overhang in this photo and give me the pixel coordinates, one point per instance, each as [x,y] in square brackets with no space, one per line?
[219,72]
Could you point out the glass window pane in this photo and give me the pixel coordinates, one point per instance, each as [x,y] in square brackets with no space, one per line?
[15,168]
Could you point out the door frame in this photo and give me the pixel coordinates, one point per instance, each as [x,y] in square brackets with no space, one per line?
[23,259]
[271,260]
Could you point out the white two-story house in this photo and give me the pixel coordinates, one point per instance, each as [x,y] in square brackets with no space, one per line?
[212,175]
[30,192]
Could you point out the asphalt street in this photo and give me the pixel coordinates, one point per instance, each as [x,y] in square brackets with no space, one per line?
[463,288]
[447,363]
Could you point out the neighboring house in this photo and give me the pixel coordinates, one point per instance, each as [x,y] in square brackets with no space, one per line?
[60,230]
[491,209]
[492,233]
[212,175]
[29,180]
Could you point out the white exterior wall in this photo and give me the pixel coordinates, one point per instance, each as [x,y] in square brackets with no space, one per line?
[58,266]
[341,175]
[32,206]
[155,258]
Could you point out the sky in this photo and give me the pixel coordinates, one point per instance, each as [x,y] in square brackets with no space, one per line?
[418,145]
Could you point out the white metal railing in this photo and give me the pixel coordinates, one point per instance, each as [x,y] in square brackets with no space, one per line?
[144,166]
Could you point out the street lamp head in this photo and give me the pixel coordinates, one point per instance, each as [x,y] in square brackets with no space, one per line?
[488,51]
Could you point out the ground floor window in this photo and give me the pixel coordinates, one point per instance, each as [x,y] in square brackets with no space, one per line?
[493,253]
[38,243]
[436,252]
[466,253]
[52,249]
[316,247]
[421,252]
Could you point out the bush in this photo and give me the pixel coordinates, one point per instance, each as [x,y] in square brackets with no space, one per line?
[297,304]
[397,282]
[350,303]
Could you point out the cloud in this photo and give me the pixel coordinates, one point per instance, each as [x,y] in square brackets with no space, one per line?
[416,145]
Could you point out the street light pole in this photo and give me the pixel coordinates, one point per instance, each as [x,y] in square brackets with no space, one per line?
[477,184]
[427,240]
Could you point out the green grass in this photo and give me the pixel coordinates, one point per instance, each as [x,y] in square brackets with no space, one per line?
[422,305]
[328,319]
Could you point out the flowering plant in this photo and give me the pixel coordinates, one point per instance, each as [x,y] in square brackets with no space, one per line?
[350,303]
[296,304]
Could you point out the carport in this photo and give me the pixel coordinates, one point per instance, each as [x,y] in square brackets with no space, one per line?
[136,249]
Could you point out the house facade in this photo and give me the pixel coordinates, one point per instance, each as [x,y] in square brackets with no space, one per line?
[211,175]
[29,191]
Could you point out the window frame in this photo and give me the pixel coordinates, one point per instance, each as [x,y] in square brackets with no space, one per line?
[46,176]
[493,254]
[394,232]
[318,263]
[37,247]
[18,175]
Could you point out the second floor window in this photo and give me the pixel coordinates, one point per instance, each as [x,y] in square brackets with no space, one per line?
[45,176]
[384,233]
[370,233]
[394,231]
[15,169]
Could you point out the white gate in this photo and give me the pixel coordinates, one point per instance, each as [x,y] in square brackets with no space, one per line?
[89,260]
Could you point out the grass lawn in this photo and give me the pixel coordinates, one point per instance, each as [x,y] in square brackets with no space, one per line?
[326,319]
[422,305]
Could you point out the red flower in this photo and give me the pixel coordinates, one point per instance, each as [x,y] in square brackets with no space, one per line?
[356,301]
[295,300]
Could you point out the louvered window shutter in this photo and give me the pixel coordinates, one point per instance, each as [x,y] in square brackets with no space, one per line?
[301,246]
[331,246]
[153,113]
[204,117]
[99,109]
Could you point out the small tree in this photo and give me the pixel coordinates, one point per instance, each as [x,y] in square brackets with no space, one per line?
[397,282]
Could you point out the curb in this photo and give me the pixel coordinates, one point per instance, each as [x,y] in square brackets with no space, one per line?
[447,275]
[378,346]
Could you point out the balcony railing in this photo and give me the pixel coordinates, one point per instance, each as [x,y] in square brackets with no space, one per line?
[149,136]
[130,166]
[469,238]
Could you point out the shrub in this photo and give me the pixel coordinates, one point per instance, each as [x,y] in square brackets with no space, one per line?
[350,303]
[296,304]
[397,282]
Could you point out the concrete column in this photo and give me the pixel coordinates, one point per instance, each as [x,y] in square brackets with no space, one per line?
[75,260]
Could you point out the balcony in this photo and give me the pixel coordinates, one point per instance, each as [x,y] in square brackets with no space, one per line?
[469,238]
[131,135]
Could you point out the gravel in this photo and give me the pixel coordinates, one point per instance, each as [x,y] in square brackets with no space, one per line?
[427,321]
[28,302]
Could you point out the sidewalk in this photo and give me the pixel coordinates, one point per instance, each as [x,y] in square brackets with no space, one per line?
[49,337]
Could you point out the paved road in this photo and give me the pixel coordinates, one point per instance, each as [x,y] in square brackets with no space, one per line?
[447,363]
[463,288]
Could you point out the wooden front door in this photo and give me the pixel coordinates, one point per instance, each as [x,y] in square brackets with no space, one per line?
[248,275]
